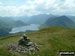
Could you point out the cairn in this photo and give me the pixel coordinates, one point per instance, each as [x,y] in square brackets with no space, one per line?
[23,47]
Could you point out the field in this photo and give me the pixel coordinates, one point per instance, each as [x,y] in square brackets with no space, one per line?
[50,41]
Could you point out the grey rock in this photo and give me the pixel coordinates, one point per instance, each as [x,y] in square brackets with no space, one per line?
[32,48]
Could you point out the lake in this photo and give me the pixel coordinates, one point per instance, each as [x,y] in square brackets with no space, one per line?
[33,27]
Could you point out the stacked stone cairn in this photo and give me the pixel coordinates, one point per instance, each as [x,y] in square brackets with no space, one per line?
[31,49]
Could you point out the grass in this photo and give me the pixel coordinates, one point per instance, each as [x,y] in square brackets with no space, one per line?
[50,41]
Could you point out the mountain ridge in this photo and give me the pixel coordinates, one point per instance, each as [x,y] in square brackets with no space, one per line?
[59,21]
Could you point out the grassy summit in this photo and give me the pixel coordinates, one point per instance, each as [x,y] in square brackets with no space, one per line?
[50,41]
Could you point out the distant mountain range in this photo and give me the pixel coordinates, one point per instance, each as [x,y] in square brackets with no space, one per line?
[59,21]
[24,19]
[44,20]
[39,19]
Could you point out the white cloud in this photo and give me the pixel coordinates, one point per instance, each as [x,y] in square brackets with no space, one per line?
[34,7]
[1,3]
[35,2]
[8,10]
[61,7]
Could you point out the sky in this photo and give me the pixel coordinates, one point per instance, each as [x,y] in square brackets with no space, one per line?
[36,7]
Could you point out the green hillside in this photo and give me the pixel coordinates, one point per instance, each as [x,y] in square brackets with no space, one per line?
[50,41]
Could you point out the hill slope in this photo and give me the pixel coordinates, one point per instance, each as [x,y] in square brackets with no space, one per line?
[50,41]
[59,21]
[6,24]
[72,17]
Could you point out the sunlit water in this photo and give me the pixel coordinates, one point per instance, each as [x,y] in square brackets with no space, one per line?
[32,27]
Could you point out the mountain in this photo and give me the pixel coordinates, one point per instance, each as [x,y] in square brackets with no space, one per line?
[24,19]
[59,21]
[19,23]
[6,24]
[72,18]
[36,19]
[39,19]
[50,41]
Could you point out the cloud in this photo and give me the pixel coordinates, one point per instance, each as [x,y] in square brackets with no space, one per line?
[8,11]
[35,7]
[1,3]
[61,7]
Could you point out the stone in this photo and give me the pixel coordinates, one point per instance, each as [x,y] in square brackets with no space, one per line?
[15,48]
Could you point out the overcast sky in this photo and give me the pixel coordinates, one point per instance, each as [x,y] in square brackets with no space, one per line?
[35,7]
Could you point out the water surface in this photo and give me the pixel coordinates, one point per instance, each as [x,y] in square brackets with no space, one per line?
[32,27]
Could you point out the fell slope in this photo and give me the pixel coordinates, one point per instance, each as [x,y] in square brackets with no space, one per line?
[50,41]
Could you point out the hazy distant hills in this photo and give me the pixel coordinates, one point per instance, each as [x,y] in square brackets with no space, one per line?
[24,19]
[44,20]
[6,24]
[72,18]
[59,21]
[39,19]
[19,23]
